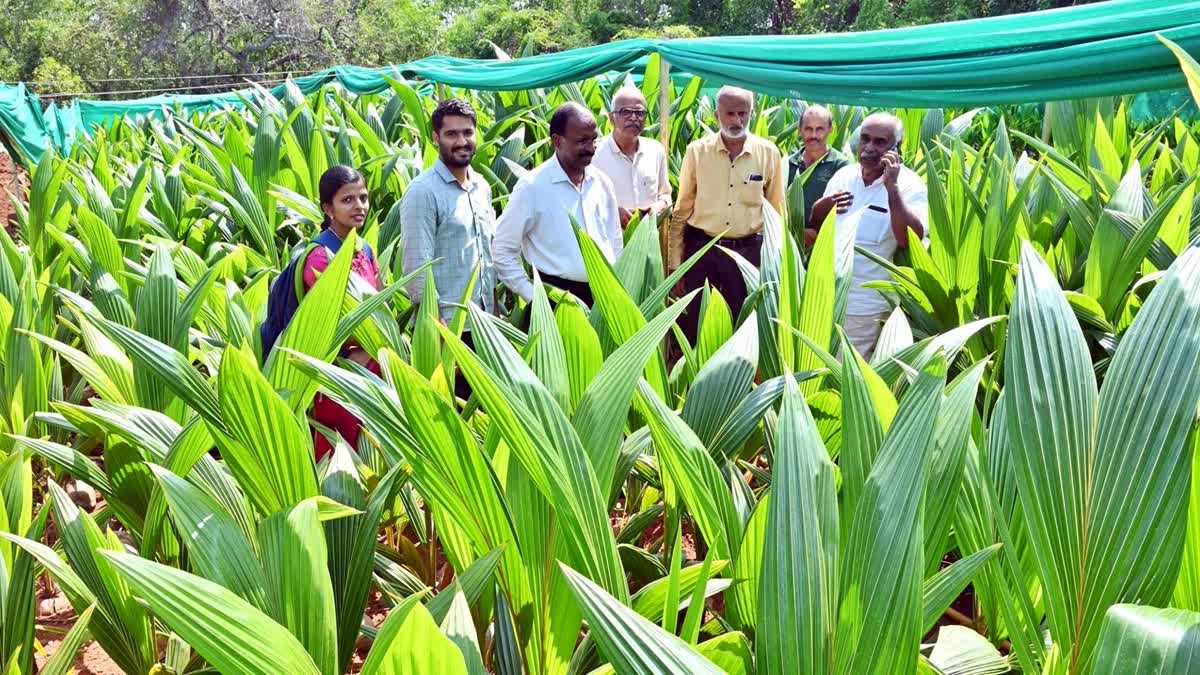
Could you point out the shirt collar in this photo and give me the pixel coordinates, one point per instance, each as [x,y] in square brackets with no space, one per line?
[829,155]
[444,171]
[611,142]
[715,139]
[858,174]
[559,175]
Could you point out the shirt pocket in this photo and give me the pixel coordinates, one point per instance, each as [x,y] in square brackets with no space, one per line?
[455,238]
[750,192]
[647,185]
[874,227]
[597,217]
[485,219]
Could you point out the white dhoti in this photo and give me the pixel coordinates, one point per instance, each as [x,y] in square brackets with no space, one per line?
[863,331]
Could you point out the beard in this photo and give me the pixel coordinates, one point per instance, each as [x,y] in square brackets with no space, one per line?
[452,159]
[734,135]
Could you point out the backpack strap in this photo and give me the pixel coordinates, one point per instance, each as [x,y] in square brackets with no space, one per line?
[298,274]
[329,240]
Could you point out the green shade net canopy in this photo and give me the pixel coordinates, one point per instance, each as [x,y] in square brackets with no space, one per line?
[1102,49]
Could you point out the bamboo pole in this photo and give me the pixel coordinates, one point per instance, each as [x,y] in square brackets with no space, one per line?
[664,102]
[664,137]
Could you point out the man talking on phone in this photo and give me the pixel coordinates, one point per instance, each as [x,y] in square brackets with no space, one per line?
[884,199]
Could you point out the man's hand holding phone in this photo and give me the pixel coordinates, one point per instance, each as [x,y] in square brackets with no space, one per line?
[891,169]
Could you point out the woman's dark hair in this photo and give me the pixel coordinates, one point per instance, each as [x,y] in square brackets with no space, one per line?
[456,107]
[334,179]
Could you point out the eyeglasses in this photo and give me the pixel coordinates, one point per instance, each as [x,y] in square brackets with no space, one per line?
[632,112]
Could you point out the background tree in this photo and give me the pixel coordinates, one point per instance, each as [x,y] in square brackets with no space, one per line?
[124,46]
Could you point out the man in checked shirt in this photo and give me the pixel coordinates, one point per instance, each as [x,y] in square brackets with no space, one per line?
[446,215]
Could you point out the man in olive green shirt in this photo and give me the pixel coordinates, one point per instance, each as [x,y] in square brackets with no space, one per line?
[815,126]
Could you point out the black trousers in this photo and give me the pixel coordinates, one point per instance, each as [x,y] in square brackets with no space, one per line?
[461,388]
[717,269]
[579,289]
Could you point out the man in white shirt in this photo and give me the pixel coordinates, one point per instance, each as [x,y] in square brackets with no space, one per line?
[636,166]
[886,200]
[537,221]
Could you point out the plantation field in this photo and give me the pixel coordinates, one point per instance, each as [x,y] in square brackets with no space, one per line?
[1018,450]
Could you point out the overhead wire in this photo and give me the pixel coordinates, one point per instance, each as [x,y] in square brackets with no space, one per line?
[158,78]
[224,85]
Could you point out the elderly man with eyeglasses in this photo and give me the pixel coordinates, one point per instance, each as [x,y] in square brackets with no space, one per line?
[636,166]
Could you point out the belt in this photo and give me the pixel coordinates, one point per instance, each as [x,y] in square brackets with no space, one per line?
[729,242]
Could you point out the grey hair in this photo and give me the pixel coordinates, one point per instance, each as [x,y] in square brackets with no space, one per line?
[729,91]
[629,90]
[885,118]
[818,110]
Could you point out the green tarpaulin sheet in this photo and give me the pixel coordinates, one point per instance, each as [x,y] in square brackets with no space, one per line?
[21,124]
[1102,49]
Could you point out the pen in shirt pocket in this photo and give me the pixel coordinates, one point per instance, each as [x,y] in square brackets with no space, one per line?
[754,177]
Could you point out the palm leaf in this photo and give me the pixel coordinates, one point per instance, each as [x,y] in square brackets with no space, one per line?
[410,642]
[693,473]
[268,450]
[63,659]
[220,551]
[1095,545]
[879,621]
[1148,641]
[630,642]
[300,593]
[797,592]
[227,631]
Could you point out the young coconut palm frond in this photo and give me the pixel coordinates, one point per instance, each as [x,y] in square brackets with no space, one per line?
[1016,456]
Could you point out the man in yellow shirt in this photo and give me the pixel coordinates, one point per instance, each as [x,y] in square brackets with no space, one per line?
[722,184]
